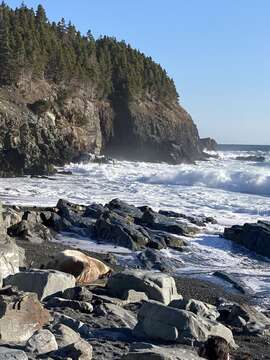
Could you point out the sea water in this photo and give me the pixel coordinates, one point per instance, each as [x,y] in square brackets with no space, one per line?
[231,191]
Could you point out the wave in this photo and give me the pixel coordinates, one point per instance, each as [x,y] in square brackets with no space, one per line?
[243,181]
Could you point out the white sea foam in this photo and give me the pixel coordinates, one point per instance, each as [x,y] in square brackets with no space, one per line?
[232,191]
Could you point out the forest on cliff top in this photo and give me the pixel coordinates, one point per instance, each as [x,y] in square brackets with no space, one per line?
[32,46]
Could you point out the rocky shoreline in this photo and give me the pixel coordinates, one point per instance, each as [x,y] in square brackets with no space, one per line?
[97,308]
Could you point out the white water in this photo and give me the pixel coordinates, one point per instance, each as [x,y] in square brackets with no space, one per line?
[232,191]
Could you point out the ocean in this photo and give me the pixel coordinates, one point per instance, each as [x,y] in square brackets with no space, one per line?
[230,190]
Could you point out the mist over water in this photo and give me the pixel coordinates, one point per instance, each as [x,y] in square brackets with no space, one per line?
[230,190]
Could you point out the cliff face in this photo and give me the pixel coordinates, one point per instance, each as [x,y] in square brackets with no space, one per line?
[43,125]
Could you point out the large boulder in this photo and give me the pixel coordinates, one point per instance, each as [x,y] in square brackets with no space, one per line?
[42,342]
[80,350]
[31,231]
[112,227]
[255,236]
[145,351]
[84,268]
[21,315]
[156,286]
[160,322]
[42,282]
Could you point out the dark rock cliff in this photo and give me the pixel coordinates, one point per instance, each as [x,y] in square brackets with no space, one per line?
[42,125]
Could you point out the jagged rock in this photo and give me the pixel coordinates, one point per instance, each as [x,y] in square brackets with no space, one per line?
[156,221]
[124,209]
[78,326]
[84,268]
[251,158]
[156,286]
[31,231]
[7,353]
[94,211]
[127,318]
[113,228]
[42,282]
[197,307]
[237,284]
[81,350]
[160,322]
[250,320]
[145,351]
[42,342]
[255,237]
[199,221]
[151,259]
[208,144]
[21,315]
[82,306]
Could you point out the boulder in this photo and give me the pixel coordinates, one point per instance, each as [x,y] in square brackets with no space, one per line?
[164,323]
[7,353]
[94,211]
[120,231]
[122,208]
[156,221]
[84,268]
[42,282]
[65,335]
[78,293]
[145,351]
[151,259]
[255,236]
[21,315]
[197,307]
[81,350]
[126,318]
[132,296]
[156,286]
[31,231]
[42,342]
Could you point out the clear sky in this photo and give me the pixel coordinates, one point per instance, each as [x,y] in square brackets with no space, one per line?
[217,51]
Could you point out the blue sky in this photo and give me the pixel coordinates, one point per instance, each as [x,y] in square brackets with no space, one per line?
[217,51]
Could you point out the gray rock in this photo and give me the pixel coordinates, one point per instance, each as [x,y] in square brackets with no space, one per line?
[156,286]
[33,232]
[76,325]
[196,307]
[132,296]
[65,335]
[42,282]
[127,318]
[151,259]
[144,351]
[255,237]
[80,350]
[78,293]
[160,322]
[42,342]
[12,354]
[124,209]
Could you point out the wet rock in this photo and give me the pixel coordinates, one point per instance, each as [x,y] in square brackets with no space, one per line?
[151,259]
[197,307]
[208,144]
[42,282]
[124,209]
[7,353]
[31,231]
[21,315]
[58,223]
[94,211]
[82,306]
[65,335]
[113,228]
[81,350]
[160,322]
[199,221]
[237,284]
[156,221]
[255,236]
[254,158]
[84,268]
[156,286]
[42,342]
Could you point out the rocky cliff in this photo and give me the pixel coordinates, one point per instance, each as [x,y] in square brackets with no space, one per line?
[43,125]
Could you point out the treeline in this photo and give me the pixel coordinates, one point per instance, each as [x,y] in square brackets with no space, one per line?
[58,52]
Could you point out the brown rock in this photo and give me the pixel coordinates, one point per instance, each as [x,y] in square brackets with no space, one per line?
[21,315]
